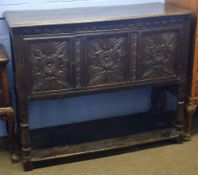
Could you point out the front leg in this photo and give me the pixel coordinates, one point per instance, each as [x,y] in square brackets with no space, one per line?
[179,123]
[180,113]
[25,135]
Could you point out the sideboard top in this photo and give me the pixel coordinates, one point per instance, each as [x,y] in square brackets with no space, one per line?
[29,18]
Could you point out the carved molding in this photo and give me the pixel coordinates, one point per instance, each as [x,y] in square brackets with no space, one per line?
[125,25]
[133,59]
[78,62]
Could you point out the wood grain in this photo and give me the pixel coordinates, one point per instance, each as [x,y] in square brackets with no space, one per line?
[89,14]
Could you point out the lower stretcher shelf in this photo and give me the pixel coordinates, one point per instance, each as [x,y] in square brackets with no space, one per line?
[97,138]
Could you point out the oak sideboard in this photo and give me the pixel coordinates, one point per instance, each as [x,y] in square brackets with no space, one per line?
[71,52]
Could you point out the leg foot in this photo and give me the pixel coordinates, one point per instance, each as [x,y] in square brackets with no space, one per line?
[27,166]
[179,139]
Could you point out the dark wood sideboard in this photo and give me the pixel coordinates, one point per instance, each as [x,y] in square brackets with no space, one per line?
[71,52]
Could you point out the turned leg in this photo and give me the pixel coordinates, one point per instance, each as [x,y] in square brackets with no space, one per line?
[11,137]
[25,142]
[180,112]
[190,109]
[180,119]
[9,116]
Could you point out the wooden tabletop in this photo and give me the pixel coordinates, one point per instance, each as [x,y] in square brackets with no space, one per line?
[89,14]
[3,55]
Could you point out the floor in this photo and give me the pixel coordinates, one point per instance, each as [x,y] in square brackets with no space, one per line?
[174,159]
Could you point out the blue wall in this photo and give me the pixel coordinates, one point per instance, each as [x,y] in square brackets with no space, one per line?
[76,109]
[84,108]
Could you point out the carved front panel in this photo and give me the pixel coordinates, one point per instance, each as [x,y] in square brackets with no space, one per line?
[106,59]
[49,65]
[158,54]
